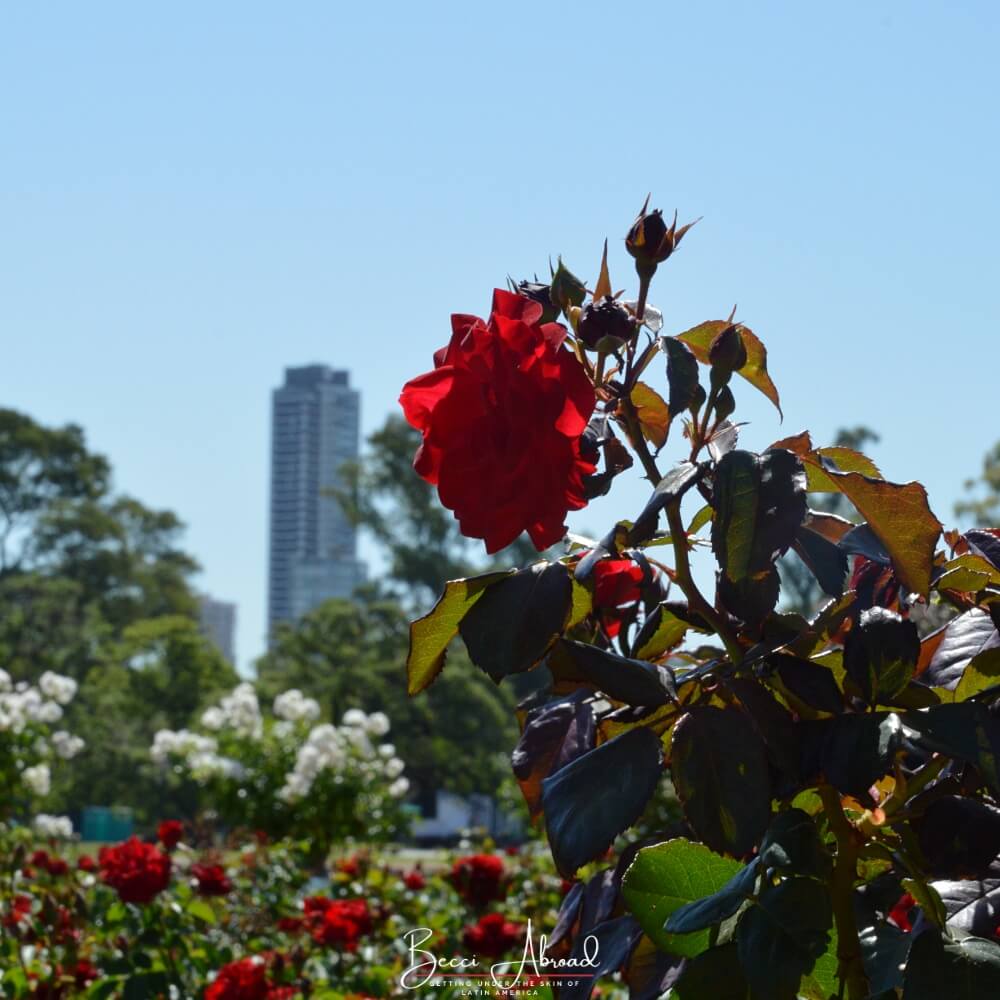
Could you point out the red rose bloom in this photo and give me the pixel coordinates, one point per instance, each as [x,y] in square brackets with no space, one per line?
[348,866]
[414,880]
[616,588]
[340,923]
[212,880]
[242,980]
[84,973]
[86,863]
[479,878]
[492,936]
[290,925]
[137,871]
[40,859]
[900,913]
[56,867]
[18,913]
[169,833]
[501,416]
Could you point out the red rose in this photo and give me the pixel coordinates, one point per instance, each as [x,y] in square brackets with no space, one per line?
[291,925]
[414,880]
[242,980]
[340,923]
[501,416]
[348,866]
[84,973]
[212,880]
[900,913]
[492,936]
[616,587]
[169,833]
[56,867]
[479,878]
[18,913]
[86,863]
[40,859]
[137,871]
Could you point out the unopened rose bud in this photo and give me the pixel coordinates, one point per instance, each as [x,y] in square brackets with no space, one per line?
[727,354]
[542,294]
[651,241]
[566,289]
[605,325]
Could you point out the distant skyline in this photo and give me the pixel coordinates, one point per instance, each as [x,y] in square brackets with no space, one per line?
[193,197]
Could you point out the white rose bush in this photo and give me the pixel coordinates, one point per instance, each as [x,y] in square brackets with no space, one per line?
[31,744]
[287,773]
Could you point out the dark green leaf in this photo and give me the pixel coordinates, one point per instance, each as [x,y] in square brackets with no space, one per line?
[661,631]
[704,913]
[514,623]
[824,559]
[719,768]
[633,682]
[959,836]
[792,846]
[615,940]
[972,905]
[714,975]
[880,654]
[752,598]
[780,938]
[957,970]
[809,682]
[851,751]
[671,487]
[666,877]
[735,498]
[431,634]
[682,373]
[597,796]
[884,949]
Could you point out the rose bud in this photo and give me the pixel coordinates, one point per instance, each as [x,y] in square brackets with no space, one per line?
[566,289]
[605,325]
[726,355]
[651,241]
[725,404]
[542,294]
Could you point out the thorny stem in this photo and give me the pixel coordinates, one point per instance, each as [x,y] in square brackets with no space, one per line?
[850,970]
[696,600]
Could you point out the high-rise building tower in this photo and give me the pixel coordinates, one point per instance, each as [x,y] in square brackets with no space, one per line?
[313,546]
[217,620]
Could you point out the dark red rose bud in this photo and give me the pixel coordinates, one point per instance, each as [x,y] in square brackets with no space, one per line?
[605,326]
[651,241]
[542,294]
[566,289]
[726,355]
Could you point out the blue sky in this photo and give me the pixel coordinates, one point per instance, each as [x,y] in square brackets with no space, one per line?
[194,195]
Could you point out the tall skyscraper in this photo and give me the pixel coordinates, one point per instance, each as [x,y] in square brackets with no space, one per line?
[218,623]
[313,546]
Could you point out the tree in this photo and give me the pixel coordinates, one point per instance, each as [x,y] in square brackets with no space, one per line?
[982,505]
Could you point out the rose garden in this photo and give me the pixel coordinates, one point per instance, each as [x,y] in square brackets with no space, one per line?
[718,789]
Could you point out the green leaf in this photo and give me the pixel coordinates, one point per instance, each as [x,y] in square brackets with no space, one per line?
[714,975]
[671,487]
[811,683]
[591,800]
[661,632]
[719,769]
[699,339]
[851,751]
[981,673]
[957,970]
[515,622]
[792,846]
[431,634]
[928,900]
[630,681]
[780,939]
[735,499]
[202,910]
[682,374]
[881,653]
[665,878]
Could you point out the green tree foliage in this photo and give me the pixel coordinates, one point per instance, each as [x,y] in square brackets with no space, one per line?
[349,654]
[982,505]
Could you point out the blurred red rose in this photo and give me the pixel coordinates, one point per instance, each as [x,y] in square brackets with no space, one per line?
[900,914]
[56,867]
[492,936]
[245,979]
[40,858]
[212,880]
[290,925]
[86,863]
[414,880]
[616,589]
[339,923]
[348,866]
[169,833]
[137,871]
[501,416]
[479,878]
[18,912]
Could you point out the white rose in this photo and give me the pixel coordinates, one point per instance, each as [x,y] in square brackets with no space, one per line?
[38,779]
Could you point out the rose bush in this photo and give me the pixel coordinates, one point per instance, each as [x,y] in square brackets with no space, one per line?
[143,925]
[838,775]
[290,774]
